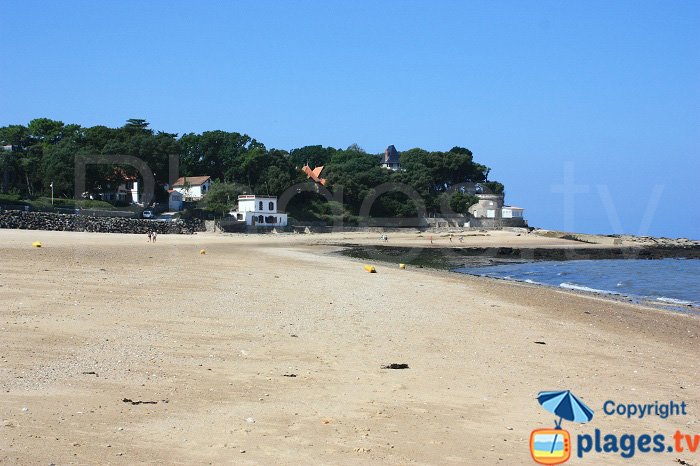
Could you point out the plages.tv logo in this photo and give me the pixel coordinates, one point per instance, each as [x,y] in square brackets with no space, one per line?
[553,446]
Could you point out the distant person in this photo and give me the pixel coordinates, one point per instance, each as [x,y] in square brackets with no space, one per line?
[461,239]
[149,235]
[431,239]
[450,237]
[154,236]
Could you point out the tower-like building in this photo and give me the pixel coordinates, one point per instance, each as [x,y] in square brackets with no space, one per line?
[391,159]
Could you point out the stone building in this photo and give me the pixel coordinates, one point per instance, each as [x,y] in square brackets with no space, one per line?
[390,159]
[490,212]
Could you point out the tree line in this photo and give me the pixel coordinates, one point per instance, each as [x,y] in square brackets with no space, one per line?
[43,152]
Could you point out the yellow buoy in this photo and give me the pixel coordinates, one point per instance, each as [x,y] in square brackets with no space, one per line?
[36,244]
[370,269]
[402,266]
[202,251]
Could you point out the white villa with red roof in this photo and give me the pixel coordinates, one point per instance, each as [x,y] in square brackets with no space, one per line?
[193,188]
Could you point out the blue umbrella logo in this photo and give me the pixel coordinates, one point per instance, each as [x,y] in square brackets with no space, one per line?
[565,405]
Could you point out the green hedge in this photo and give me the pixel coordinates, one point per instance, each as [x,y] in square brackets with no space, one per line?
[12,199]
[45,202]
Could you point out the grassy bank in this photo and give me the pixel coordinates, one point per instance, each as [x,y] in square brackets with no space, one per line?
[44,203]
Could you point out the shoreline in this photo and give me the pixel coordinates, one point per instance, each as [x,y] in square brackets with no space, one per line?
[436,259]
[464,256]
[689,309]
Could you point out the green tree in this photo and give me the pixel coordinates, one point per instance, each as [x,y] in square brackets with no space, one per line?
[315,156]
[222,197]
[45,130]
[492,187]
[460,202]
[44,151]
[137,124]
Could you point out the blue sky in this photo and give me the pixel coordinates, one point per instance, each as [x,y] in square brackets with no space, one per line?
[608,92]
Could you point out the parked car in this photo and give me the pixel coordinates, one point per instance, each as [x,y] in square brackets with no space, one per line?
[147,214]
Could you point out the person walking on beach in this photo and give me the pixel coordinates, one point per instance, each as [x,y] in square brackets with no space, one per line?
[154,236]
[450,237]
[431,239]
[149,235]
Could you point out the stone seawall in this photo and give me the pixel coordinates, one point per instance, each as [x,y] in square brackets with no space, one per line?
[67,222]
[497,223]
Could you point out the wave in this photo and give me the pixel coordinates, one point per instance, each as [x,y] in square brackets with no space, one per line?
[638,280]
[679,302]
[573,286]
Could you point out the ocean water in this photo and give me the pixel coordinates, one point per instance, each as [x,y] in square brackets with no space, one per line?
[674,282]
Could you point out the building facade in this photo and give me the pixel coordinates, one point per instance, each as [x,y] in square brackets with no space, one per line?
[128,191]
[390,159]
[490,211]
[259,211]
[176,200]
[193,188]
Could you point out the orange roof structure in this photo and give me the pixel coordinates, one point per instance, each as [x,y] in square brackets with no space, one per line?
[191,180]
[314,174]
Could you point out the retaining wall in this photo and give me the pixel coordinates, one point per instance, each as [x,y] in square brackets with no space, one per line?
[67,222]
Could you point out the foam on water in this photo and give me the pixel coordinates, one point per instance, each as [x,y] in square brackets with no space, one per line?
[573,286]
[674,282]
[675,301]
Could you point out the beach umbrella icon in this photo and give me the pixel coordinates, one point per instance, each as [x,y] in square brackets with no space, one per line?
[565,405]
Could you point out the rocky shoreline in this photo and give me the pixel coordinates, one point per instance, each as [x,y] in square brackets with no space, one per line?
[451,258]
[83,223]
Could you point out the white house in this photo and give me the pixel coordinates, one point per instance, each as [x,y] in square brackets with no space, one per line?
[509,211]
[175,200]
[259,211]
[128,191]
[193,188]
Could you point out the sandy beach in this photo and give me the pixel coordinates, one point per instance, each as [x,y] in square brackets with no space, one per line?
[268,350]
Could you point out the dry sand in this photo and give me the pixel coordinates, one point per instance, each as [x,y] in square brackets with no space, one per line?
[91,319]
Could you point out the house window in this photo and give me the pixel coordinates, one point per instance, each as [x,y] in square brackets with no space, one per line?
[204,188]
[271,206]
[240,216]
[261,219]
[260,205]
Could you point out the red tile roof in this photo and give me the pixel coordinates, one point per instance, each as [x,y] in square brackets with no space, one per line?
[314,174]
[192,180]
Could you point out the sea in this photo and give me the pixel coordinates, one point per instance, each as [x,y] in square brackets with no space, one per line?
[670,282]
